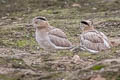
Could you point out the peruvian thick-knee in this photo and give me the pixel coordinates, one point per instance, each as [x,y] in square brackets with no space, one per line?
[92,40]
[49,37]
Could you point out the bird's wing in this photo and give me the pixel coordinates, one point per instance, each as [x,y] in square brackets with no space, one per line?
[58,38]
[102,34]
[106,40]
[57,32]
[93,40]
[93,36]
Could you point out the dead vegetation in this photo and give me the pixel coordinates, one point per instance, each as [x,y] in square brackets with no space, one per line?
[22,59]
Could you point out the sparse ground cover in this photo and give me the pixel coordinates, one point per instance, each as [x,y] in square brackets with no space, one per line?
[22,59]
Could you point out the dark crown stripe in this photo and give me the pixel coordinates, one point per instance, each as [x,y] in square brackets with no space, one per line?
[84,22]
[41,18]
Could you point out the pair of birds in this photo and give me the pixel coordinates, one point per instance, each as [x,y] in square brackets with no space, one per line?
[51,38]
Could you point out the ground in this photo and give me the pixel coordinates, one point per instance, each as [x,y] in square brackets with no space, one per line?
[22,59]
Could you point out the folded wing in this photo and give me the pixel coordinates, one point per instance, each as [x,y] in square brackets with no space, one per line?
[57,32]
[93,40]
[59,38]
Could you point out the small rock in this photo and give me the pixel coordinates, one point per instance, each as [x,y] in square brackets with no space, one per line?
[38,48]
[76,58]
[5,17]
[14,22]
[20,19]
[117,51]
[94,8]
[76,5]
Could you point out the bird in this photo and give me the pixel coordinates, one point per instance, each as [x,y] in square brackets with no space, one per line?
[49,37]
[93,40]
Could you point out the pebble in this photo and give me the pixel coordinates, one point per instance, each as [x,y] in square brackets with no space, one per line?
[76,58]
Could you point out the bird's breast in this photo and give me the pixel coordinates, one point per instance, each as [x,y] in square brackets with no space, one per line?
[41,36]
[43,40]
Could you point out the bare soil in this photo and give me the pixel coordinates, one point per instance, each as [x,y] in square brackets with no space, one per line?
[22,59]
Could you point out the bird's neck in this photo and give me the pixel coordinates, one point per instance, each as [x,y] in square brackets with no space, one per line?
[42,29]
[41,33]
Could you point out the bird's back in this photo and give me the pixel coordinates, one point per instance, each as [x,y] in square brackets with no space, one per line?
[59,38]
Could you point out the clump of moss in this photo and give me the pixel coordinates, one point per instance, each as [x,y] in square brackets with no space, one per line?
[97,67]
[22,43]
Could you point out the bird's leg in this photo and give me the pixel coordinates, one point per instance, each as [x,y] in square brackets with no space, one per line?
[75,48]
[63,48]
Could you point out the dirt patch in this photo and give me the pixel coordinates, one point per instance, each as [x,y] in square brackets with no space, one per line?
[22,59]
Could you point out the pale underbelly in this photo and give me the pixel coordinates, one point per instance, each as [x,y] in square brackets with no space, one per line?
[45,44]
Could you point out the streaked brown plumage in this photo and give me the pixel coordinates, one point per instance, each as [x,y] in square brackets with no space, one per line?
[49,37]
[93,40]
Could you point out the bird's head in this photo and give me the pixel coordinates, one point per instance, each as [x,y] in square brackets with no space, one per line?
[87,24]
[40,22]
